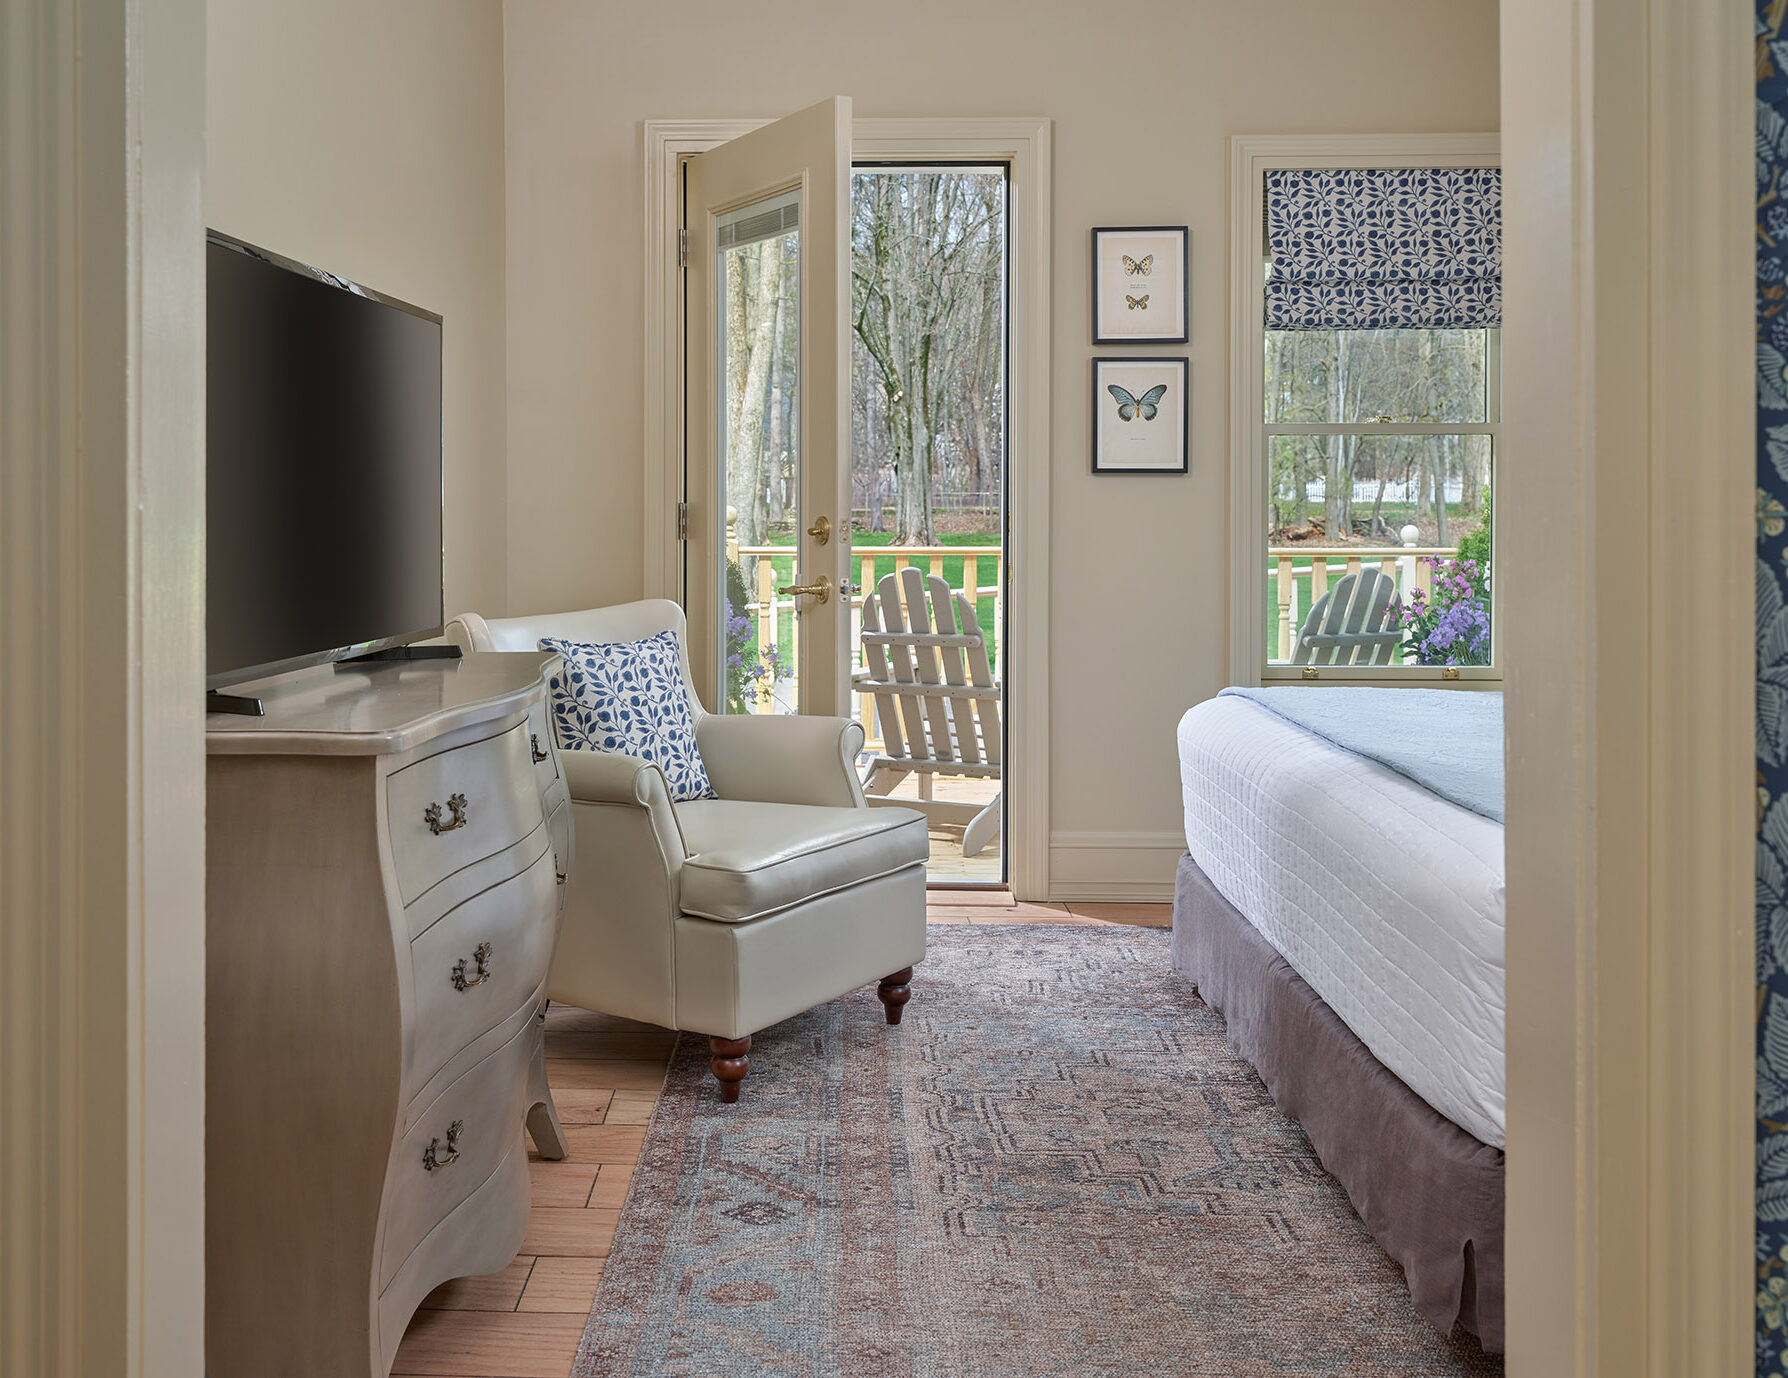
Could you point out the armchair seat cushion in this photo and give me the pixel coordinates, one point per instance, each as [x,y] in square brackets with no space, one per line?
[746,860]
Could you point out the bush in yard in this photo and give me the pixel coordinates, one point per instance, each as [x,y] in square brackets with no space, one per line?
[1450,625]
[1477,545]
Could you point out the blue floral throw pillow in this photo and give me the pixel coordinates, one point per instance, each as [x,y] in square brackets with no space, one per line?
[628,697]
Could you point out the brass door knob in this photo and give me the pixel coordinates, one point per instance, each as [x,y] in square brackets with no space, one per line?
[819,590]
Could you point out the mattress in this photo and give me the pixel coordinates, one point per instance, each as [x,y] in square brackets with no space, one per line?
[1384,897]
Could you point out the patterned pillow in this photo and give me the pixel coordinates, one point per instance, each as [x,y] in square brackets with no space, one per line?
[628,697]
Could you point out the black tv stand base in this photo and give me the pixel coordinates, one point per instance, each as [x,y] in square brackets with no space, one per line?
[240,704]
[401,653]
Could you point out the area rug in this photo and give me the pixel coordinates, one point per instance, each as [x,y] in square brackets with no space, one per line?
[1055,1166]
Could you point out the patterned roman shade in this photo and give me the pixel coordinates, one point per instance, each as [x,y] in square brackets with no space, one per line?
[1381,248]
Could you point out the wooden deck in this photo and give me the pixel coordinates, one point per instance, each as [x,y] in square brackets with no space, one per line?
[606,1074]
[948,865]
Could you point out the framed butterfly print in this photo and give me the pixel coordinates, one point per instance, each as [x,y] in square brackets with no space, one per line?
[1141,415]
[1142,292]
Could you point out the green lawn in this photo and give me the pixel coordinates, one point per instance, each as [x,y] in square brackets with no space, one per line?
[988,575]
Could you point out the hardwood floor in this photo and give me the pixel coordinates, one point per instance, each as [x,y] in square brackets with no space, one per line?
[606,1073]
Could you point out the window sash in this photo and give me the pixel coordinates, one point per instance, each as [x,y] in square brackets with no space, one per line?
[1251,157]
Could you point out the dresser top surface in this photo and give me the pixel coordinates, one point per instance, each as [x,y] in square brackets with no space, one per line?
[376,709]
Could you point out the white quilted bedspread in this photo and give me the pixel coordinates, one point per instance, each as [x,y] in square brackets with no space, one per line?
[1386,898]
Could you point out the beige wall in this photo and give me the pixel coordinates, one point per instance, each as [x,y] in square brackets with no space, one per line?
[1144,98]
[368,139]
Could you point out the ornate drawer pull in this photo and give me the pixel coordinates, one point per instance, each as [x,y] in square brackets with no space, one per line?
[456,805]
[433,1158]
[534,748]
[480,955]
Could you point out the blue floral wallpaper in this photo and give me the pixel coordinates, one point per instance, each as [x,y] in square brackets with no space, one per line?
[1772,691]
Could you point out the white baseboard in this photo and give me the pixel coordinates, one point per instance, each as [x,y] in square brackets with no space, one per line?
[1113,867]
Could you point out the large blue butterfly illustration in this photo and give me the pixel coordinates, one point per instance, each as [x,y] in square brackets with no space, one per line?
[1129,408]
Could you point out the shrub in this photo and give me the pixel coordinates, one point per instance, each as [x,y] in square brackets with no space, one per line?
[1477,545]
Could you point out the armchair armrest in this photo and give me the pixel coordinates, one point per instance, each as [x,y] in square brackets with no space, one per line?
[603,777]
[783,760]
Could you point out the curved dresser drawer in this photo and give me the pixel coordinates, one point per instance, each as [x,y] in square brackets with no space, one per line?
[559,826]
[454,1148]
[540,744]
[454,808]
[479,963]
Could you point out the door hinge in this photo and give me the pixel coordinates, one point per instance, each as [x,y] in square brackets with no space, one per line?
[682,521]
[682,248]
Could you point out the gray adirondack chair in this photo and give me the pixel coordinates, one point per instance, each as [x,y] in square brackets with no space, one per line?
[1347,625]
[935,697]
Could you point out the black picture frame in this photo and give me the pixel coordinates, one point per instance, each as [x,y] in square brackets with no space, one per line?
[1181,263]
[1105,410]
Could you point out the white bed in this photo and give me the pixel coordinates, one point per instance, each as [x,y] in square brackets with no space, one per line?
[1384,897]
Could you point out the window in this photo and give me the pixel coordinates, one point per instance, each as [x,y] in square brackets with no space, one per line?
[1378,321]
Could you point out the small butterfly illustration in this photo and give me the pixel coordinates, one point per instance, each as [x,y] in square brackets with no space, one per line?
[1138,303]
[1133,269]
[1129,408]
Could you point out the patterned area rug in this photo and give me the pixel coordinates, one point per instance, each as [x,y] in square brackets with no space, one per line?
[1055,1166]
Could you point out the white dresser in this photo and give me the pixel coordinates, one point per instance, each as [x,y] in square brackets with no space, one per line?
[387,854]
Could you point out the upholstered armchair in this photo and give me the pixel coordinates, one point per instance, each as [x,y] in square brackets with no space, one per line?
[724,916]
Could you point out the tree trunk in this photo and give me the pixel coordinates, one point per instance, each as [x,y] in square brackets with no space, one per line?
[1438,457]
[745,435]
[1334,502]
[776,435]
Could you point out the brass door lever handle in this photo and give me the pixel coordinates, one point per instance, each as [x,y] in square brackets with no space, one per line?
[819,590]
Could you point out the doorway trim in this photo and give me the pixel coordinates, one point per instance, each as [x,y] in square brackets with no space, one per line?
[1024,143]
[1625,516]
[102,676]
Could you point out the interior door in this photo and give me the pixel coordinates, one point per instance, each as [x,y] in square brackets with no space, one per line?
[766,222]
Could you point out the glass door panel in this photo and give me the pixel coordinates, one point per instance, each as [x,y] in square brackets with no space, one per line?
[757,275]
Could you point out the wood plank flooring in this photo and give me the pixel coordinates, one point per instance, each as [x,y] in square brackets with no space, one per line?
[606,1073]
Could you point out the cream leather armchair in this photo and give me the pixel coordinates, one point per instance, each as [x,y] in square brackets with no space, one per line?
[725,916]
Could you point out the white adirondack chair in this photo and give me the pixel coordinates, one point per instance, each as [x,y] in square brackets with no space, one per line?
[935,698]
[1347,625]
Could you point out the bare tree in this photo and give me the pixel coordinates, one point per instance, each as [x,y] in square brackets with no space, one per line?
[925,245]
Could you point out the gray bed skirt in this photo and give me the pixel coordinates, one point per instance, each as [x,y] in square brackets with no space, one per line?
[1429,1192]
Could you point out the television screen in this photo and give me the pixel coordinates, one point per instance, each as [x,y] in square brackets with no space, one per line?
[323,466]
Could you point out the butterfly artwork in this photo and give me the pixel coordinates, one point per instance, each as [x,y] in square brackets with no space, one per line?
[1129,408]
[1139,285]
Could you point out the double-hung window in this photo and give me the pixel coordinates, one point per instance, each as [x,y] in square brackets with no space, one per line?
[1373,441]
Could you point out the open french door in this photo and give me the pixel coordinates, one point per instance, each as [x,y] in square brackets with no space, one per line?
[766,223]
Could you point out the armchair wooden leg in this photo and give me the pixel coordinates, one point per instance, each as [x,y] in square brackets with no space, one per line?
[730,1064]
[895,992]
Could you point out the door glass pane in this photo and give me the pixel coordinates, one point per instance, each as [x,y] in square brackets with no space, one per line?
[1415,507]
[928,449]
[1346,377]
[758,278]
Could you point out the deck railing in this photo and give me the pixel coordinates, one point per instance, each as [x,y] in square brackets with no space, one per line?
[768,605]
[1297,590]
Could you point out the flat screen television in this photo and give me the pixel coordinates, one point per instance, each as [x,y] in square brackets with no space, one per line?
[323,466]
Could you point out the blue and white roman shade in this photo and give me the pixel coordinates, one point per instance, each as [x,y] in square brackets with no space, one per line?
[1384,248]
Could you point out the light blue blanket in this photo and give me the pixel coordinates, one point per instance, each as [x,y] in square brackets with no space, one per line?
[1448,741]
